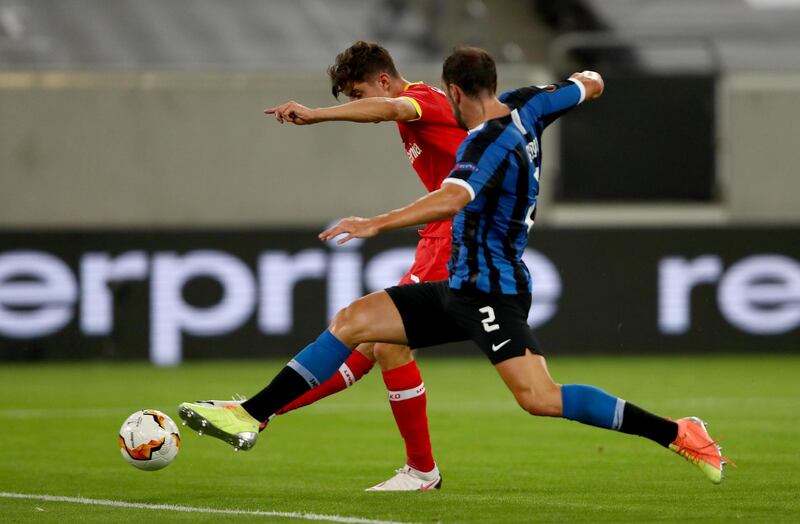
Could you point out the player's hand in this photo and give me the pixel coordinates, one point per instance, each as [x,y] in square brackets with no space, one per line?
[293,113]
[353,227]
[592,82]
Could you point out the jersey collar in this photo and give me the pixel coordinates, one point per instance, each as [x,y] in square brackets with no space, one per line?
[514,118]
[405,87]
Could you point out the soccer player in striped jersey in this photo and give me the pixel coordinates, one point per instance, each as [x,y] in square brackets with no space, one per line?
[366,74]
[491,193]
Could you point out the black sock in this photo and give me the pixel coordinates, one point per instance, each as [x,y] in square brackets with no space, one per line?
[284,388]
[636,421]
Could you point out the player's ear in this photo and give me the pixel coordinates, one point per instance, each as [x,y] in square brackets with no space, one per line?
[384,80]
[455,93]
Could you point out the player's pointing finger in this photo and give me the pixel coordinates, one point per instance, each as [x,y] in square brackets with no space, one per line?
[330,232]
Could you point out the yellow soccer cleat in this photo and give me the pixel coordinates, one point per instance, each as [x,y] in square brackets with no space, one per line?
[696,445]
[227,421]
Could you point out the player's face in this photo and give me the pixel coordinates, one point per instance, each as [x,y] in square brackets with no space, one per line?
[375,87]
[452,94]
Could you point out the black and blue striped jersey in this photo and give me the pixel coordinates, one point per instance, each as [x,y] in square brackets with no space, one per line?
[498,163]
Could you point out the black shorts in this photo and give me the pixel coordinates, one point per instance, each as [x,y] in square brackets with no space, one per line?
[434,314]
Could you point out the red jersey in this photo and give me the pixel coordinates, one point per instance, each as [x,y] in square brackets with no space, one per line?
[431,142]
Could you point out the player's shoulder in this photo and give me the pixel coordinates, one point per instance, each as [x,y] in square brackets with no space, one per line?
[488,138]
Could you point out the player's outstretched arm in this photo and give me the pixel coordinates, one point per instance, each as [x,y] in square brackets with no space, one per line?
[377,109]
[442,204]
[592,83]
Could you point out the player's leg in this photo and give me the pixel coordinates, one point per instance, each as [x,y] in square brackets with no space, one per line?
[352,370]
[430,263]
[407,394]
[408,401]
[421,307]
[358,364]
[370,318]
[529,381]
[498,324]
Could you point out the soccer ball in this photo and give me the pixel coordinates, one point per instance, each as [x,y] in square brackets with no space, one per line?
[149,440]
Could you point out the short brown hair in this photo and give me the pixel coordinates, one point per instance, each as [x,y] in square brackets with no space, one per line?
[471,69]
[359,62]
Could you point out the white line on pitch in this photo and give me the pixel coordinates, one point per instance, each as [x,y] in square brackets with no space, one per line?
[190,509]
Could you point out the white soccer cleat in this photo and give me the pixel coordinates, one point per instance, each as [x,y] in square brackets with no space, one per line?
[410,479]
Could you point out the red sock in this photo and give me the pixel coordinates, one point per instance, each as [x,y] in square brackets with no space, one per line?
[409,405]
[355,367]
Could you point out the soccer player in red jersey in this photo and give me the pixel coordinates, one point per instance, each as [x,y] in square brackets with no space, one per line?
[365,73]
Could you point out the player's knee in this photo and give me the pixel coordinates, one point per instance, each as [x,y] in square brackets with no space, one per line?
[348,325]
[391,356]
[391,351]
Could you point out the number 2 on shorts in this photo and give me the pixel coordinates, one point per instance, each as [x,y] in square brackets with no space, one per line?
[487,322]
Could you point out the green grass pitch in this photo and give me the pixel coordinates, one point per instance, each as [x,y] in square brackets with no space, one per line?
[58,427]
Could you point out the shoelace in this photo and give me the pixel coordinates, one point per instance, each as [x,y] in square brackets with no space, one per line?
[696,455]
[407,470]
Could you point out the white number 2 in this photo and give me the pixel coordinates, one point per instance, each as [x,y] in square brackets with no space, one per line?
[487,322]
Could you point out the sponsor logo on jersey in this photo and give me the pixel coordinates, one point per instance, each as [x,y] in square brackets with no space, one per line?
[413,152]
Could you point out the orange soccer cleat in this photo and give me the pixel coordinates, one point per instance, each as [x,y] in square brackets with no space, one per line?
[696,445]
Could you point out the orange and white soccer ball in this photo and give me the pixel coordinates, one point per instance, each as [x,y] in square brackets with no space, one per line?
[149,440]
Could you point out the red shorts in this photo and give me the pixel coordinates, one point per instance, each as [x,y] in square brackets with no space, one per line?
[430,261]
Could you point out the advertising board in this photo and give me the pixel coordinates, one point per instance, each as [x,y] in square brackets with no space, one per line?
[175,295]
